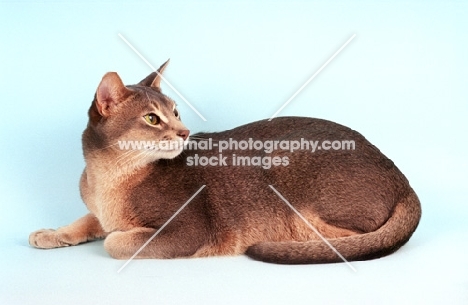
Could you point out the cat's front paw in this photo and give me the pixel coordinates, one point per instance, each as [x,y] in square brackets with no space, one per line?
[48,239]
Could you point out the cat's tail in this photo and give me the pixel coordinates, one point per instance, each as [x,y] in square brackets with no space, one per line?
[385,240]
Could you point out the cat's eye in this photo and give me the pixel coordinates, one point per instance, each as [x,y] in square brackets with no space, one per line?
[176,113]
[152,119]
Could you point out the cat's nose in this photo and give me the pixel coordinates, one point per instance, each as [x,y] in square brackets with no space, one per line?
[183,133]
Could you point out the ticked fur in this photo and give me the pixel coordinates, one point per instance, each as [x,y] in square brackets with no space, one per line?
[357,199]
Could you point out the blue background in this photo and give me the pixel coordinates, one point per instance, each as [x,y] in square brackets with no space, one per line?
[401,82]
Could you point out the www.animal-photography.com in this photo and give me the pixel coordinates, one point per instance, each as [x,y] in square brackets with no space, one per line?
[232,152]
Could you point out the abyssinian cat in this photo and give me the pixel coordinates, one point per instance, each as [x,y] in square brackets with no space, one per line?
[355,198]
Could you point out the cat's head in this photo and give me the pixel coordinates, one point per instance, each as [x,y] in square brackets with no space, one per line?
[135,121]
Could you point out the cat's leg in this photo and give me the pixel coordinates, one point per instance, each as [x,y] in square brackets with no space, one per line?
[124,244]
[84,229]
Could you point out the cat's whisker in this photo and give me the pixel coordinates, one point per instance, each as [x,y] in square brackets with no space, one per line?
[147,154]
[131,158]
[123,157]
[118,161]
[106,147]
[134,157]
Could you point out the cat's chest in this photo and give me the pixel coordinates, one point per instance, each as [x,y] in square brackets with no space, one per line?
[106,199]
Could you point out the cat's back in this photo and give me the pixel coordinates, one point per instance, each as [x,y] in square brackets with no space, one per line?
[320,164]
[283,128]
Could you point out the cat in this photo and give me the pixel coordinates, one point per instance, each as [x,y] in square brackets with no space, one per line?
[357,199]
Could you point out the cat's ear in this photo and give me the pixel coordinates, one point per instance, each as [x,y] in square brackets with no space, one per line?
[154,79]
[110,93]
